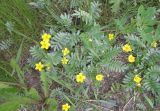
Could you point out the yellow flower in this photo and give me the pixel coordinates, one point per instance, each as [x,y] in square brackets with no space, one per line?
[65,51]
[137,79]
[138,84]
[49,68]
[66,107]
[127,48]
[154,44]
[39,66]
[99,77]
[46,37]
[45,45]
[80,77]
[131,58]
[64,60]
[110,36]
[90,40]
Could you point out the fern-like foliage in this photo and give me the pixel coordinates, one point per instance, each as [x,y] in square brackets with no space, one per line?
[32,61]
[64,39]
[116,5]
[141,106]
[128,81]
[75,3]
[59,40]
[66,19]
[6,44]
[152,79]
[153,72]
[107,59]
[111,54]
[149,63]
[85,16]
[116,66]
[95,9]
[152,85]
[135,40]
[38,4]
[90,16]
[55,92]
[9,25]
[37,53]
[53,58]
[115,87]
[152,56]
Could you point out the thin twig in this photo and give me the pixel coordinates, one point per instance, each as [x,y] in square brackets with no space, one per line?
[125,106]
[89,102]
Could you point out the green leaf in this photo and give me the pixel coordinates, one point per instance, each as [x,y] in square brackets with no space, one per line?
[13,101]
[61,82]
[147,37]
[10,106]
[53,58]
[18,70]
[108,104]
[136,41]
[115,5]
[19,52]
[157,33]
[152,85]
[68,99]
[45,83]
[52,104]
[14,63]
[116,66]
[37,53]
[34,94]
[149,100]
[85,39]
[3,85]
[145,17]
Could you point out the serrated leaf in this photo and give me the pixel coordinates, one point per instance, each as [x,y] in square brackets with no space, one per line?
[45,83]
[149,101]
[115,5]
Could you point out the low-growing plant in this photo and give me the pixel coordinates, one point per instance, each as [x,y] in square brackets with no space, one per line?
[143,74]
[80,64]
[78,60]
